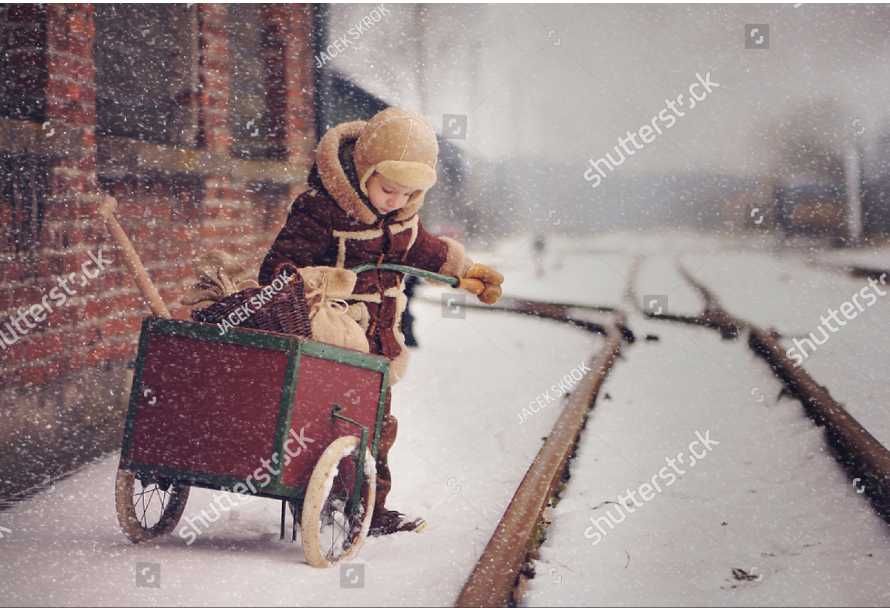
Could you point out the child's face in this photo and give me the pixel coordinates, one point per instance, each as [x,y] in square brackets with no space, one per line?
[386,195]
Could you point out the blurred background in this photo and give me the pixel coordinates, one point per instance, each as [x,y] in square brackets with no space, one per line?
[796,128]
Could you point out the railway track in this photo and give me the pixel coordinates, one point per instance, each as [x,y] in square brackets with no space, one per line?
[857,271]
[863,456]
[500,575]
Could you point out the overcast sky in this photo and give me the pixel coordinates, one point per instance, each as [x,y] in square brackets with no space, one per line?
[564,82]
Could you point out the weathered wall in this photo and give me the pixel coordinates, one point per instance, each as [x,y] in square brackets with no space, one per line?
[64,382]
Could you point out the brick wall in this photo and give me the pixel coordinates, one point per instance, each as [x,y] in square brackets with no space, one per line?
[64,385]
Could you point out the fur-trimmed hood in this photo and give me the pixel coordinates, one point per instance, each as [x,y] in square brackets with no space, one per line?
[335,170]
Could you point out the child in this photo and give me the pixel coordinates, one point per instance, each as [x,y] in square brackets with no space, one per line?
[366,188]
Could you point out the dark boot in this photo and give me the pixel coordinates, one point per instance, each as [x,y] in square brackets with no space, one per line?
[385,521]
[389,522]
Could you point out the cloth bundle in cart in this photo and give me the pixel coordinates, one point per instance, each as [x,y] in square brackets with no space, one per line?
[257,412]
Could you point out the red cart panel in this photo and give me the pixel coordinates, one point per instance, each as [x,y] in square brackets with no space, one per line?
[214,410]
[322,384]
[205,401]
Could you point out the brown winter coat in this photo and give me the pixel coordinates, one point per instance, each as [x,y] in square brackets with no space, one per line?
[334,224]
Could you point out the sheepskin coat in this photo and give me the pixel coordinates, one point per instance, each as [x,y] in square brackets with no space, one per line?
[334,224]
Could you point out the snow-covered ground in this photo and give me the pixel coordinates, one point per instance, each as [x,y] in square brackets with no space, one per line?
[877,257]
[767,500]
[794,297]
[462,450]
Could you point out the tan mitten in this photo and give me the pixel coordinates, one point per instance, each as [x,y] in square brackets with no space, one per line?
[483,282]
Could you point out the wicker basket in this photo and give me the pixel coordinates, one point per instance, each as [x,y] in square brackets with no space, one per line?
[287,311]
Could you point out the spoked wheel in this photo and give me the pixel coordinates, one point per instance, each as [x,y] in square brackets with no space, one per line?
[330,532]
[147,509]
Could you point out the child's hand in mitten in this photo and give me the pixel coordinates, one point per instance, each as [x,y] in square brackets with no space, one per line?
[483,282]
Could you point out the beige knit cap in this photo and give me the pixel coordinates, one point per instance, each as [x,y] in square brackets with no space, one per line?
[399,145]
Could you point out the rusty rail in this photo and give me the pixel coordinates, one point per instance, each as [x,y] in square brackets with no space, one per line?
[494,580]
[855,447]
[854,270]
[555,311]
[712,317]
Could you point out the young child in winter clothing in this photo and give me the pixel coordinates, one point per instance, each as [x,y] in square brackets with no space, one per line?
[366,188]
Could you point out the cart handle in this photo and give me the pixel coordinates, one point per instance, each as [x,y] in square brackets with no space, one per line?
[418,272]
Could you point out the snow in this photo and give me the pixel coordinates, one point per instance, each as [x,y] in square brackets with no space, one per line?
[576,271]
[873,257]
[768,500]
[460,454]
[792,296]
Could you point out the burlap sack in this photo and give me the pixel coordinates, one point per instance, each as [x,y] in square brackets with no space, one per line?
[326,287]
[218,275]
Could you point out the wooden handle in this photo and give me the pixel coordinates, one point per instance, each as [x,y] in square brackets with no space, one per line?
[106,210]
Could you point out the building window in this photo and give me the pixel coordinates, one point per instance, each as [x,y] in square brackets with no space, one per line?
[145,72]
[23,190]
[257,101]
[23,70]
[272,202]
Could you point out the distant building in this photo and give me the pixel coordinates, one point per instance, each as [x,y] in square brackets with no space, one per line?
[812,209]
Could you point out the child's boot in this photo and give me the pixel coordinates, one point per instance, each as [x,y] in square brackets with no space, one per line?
[387,521]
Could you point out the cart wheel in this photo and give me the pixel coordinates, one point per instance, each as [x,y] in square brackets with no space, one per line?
[146,510]
[329,533]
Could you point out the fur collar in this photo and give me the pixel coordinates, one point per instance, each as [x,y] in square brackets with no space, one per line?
[341,182]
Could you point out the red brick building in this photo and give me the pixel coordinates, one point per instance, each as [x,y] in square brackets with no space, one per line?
[199,119]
